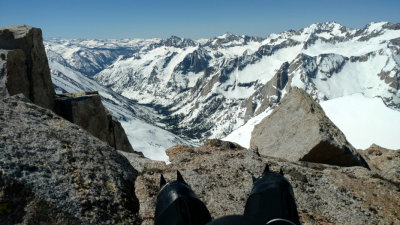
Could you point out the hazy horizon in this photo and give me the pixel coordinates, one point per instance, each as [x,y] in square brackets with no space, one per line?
[197,39]
[122,19]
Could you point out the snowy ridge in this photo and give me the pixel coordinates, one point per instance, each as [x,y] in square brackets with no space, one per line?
[210,87]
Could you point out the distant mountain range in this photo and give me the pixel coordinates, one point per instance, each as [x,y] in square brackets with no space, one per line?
[198,89]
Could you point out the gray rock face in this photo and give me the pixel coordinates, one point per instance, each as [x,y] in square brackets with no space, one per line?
[299,130]
[121,141]
[19,205]
[13,73]
[29,65]
[270,94]
[220,173]
[53,172]
[195,62]
[86,110]
[392,81]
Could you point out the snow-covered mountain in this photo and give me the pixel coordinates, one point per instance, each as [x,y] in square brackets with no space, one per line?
[210,87]
[136,120]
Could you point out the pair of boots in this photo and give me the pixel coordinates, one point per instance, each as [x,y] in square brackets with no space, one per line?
[271,201]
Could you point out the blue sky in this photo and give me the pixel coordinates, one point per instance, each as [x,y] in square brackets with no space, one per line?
[188,18]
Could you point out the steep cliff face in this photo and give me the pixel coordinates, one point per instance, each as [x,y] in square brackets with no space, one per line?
[86,110]
[25,67]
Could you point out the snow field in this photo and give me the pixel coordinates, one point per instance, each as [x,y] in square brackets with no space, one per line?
[365,121]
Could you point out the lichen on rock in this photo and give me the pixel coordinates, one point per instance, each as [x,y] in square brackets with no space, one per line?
[46,160]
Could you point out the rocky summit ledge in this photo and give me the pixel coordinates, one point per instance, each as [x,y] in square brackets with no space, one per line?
[220,173]
[384,162]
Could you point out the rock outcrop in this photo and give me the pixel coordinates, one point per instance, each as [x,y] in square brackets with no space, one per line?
[24,69]
[86,110]
[54,172]
[220,173]
[23,65]
[299,130]
[13,73]
[385,162]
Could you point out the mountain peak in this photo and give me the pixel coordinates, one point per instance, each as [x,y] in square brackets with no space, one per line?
[330,26]
[179,42]
[375,26]
[226,35]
